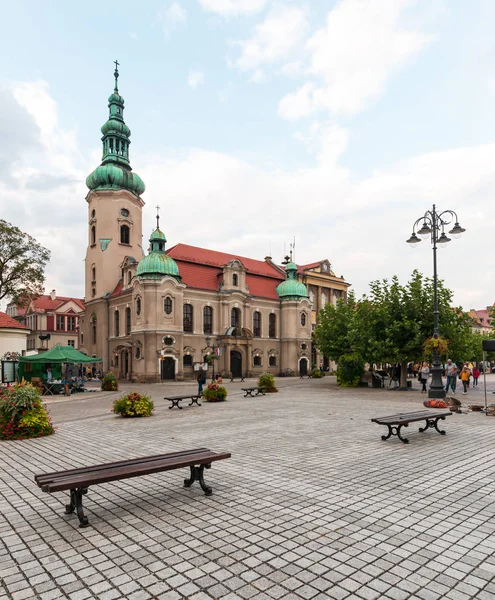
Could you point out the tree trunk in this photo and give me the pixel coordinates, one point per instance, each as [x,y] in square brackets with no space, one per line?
[403,376]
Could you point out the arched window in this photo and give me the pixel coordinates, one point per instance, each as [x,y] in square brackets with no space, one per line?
[234,280]
[93,235]
[124,234]
[188,318]
[128,321]
[272,325]
[257,361]
[138,352]
[187,361]
[272,361]
[94,334]
[93,273]
[208,320]
[167,305]
[116,323]
[303,319]
[129,278]
[138,305]
[235,317]
[257,324]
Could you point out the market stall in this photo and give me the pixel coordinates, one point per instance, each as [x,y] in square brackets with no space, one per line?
[59,370]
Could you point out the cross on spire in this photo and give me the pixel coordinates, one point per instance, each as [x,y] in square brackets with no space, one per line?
[157,216]
[116,74]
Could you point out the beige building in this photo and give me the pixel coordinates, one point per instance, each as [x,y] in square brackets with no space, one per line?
[159,315]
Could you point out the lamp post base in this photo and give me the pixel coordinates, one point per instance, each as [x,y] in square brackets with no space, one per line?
[436,391]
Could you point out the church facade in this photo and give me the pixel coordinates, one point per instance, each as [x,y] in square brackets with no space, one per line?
[158,314]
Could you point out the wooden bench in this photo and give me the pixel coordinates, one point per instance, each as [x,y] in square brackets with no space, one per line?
[251,390]
[176,400]
[79,480]
[396,422]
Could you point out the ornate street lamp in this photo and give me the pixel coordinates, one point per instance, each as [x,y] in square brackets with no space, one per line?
[432,224]
[218,341]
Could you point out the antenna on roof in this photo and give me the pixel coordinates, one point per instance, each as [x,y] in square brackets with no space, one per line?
[294,248]
[157,216]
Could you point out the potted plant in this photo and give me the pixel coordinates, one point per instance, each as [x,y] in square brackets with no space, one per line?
[23,414]
[267,381]
[441,345]
[133,405]
[214,393]
[109,383]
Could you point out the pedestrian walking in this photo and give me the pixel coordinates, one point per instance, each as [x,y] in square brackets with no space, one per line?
[451,373]
[465,375]
[201,380]
[476,376]
[424,372]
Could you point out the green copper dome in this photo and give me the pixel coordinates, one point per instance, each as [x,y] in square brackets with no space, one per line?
[291,288]
[115,177]
[157,264]
[115,172]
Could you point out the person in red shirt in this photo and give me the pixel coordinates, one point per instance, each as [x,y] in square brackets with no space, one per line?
[476,374]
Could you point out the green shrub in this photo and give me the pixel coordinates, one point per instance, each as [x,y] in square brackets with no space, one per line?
[316,373]
[22,413]
[349,370]
[133,405]
[109,383]
[267,381]
[214,393]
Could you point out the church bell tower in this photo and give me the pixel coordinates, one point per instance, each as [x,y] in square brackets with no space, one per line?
[114,206]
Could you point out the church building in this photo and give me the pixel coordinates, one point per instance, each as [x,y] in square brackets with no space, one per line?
[158,314]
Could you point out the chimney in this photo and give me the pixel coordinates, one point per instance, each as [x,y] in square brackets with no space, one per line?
[53,294]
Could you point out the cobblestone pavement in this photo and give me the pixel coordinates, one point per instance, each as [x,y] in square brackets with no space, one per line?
[312,504]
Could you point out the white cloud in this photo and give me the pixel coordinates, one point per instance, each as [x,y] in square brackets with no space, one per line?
[133,35]
[233,7]
[351,59]
[359,224]
[195,78]
[273,40]
[171,17]
[259,76]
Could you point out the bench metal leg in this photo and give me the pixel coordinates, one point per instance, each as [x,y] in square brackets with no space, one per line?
[194,400]
[433,423]
[248,393]
[197,475]
[76,505]
[175,403]
[394,430]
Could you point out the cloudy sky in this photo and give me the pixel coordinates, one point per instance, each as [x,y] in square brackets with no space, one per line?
[254,121]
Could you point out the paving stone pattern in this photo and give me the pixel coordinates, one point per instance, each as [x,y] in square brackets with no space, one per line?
[312,504]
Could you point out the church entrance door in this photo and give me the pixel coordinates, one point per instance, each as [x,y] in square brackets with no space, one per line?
[124,361]
[303,367]
[167,368]
[236,363]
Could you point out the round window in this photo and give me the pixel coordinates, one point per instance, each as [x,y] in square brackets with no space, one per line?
[168,341]
[124,212]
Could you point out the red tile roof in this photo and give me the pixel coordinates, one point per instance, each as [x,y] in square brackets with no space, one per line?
[10,323]
[219,259]
[310,266]
[45,303]
[201,268]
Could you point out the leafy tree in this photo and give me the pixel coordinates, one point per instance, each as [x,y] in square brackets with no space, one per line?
[22,264]
[333,332]
[391,324]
